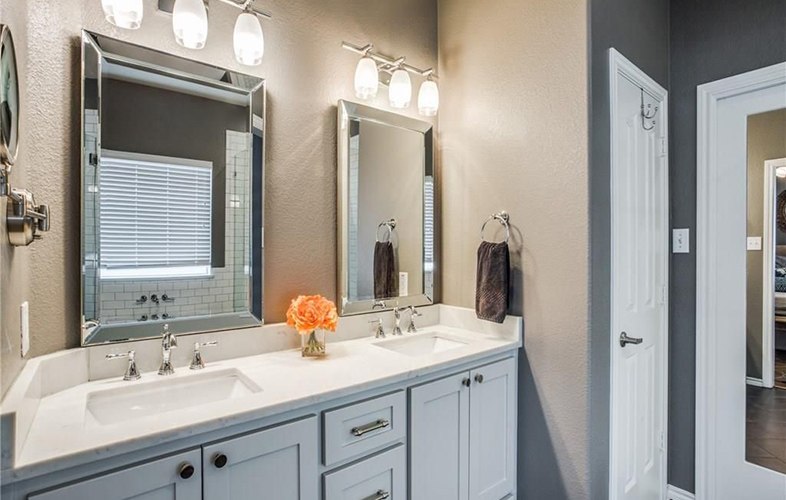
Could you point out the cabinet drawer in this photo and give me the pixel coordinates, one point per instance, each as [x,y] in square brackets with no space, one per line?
[381,477]
[353,430]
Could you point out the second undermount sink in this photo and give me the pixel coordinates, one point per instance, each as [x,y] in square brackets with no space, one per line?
[429,343]
[146,398]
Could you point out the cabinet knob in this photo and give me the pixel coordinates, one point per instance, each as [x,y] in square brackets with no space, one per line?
[466,382]
[219,460]
[186,470]
[479,378]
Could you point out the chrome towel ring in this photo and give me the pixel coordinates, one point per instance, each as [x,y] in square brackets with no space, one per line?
[501,217]
[390,225]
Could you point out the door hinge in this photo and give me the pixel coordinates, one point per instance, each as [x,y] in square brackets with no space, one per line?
[663,145]
[664,294]
[662,441]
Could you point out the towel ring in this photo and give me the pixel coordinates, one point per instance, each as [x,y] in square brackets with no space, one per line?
[501,217]
[390,225]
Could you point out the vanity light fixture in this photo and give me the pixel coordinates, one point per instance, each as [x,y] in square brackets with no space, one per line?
[428,98]
[125,14]
[395,74]
[400,89]
[189,22]
[249,41]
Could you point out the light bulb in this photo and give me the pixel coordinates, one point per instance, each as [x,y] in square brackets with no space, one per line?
[248,40]
[400,89]
[428,98]
[366,79]
[126,14]
[189,22]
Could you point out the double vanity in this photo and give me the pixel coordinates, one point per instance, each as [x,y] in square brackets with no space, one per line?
[423,415]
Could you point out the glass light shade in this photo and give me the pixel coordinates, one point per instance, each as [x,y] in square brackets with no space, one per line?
[428,98]
[189,22]
[125,14]
[400,89]
[366,79]
[248,40]
[780,172]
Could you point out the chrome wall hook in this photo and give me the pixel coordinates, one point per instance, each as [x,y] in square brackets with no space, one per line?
[647,113]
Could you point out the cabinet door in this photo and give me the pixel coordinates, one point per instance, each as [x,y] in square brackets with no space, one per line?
[165,479]
[492,442]
[279,463]
[439,439]
[382,476]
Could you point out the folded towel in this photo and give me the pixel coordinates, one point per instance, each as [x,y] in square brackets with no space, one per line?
[491,292]
[385,276]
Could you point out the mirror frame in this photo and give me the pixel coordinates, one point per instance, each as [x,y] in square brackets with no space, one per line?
[346,111]
[257,96]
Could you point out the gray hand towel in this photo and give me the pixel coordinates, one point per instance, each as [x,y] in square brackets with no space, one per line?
[491,292]
[385,276]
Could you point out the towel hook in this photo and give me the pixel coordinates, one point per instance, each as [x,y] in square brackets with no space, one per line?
[647,114]
[501,217]
[390,225]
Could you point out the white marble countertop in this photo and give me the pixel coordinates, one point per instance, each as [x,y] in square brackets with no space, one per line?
[61,432]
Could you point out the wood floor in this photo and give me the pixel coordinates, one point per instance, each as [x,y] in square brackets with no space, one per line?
[766,424]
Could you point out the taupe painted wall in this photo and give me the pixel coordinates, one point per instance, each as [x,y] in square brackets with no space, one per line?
[306,71]
[766,141]
[513,136]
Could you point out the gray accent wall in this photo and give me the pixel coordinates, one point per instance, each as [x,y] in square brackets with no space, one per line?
[639,29]
[710,40]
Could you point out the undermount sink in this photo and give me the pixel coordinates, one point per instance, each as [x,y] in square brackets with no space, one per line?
[422,344]
[144,399]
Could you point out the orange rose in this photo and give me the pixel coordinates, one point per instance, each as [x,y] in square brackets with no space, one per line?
[308,312]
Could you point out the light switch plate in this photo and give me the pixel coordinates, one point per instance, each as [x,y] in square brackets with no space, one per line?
[24,326]
[754,243]
[680,242]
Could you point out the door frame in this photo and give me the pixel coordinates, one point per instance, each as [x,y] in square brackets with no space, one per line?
[768,279]
[619,65]
[707,224]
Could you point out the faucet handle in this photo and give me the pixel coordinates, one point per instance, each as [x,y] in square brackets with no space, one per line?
[131,370]
[414,312]
[380,330]
[197,361]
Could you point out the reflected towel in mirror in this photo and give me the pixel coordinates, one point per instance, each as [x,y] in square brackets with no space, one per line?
[385,276]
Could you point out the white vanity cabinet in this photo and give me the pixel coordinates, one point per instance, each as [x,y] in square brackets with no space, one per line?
[178,477]
[463,435]
[278,463]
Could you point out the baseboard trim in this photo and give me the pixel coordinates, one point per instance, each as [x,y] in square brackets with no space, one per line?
[674,493]
[754,381]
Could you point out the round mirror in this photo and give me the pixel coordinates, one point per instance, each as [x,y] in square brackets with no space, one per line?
[9,98]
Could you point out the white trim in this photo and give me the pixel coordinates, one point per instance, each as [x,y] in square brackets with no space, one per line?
[757,382]
[620,65]
[768,272]
[707,224]
[675,493]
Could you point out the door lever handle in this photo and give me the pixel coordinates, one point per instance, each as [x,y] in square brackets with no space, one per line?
[625,340]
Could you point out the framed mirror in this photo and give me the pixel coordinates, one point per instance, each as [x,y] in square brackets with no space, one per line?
[9,99]
[386,210]
[172,194]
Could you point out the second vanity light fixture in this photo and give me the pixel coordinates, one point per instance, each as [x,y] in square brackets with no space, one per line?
[190,24]
[400,85]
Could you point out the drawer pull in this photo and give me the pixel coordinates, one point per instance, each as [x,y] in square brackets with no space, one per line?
[220,460]
[373,426]
[186,470]
[379,495]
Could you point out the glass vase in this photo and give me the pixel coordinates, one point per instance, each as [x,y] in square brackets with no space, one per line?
[313,344]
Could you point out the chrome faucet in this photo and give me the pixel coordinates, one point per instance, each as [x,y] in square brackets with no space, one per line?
[397,315]
[131,371]
[379,332]
[168,342]
[413,313]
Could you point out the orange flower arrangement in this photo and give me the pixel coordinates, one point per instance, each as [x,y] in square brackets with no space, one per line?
[310,312]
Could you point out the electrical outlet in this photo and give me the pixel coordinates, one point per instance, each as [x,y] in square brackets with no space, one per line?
[403,284]
[24,326]
[680,242]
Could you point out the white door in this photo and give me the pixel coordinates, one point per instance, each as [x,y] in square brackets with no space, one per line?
[439,439]
[639,267]
[492,423]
